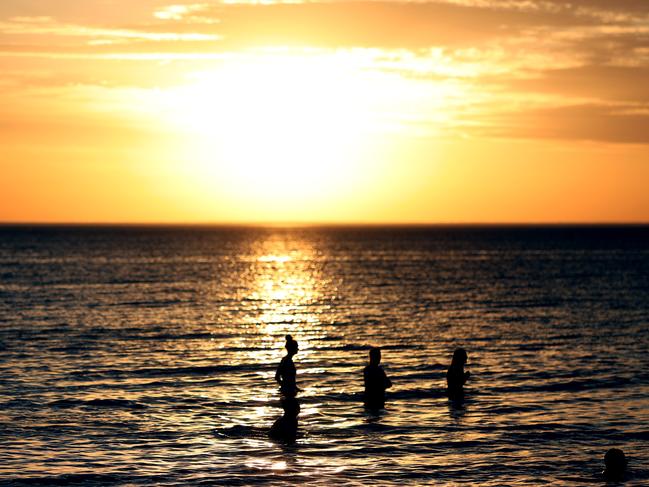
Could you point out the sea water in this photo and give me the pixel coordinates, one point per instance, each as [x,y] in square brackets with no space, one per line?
[146,356]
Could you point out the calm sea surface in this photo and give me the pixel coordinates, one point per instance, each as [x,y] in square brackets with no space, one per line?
[146,356]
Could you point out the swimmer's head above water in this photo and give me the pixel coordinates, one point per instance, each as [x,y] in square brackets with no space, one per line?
[615,464]
[375,356]
[291,345]
[459,356]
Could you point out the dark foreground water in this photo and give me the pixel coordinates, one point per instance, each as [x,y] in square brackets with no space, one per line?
[146,356]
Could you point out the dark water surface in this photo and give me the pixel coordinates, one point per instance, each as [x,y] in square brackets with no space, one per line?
[146,356]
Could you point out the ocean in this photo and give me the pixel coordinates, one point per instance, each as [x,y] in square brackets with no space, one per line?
[147,355]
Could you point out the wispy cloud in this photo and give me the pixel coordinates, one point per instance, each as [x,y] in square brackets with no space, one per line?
[47,26]
[576,61]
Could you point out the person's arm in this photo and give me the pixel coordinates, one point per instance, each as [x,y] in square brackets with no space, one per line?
[386,381]
[278,372]
[454,377]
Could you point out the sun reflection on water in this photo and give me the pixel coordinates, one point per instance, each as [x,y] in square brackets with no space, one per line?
[286,284]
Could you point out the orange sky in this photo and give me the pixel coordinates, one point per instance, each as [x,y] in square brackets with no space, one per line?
[366,111]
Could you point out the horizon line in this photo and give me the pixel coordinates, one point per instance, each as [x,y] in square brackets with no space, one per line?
[289,224]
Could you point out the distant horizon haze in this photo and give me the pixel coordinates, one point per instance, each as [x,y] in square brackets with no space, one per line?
[324,224]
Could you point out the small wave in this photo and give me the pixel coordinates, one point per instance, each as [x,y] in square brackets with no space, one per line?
[549,303]
[637,435]
[339,396]
[242,431]
[331,338]
[365,347]
[71,348]
[172,371]
[144,334]
[176,383]
[69,479]
[97,403]
[581,385]
[18,404]
[568,386]
[152,304]
[428,366]
[373,427]
[182,336]
[422,376]
[504,408]
[420,393]
[350,347]
[357,397]
[118,281]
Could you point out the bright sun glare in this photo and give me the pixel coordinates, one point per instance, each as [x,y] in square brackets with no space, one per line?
[286,133]
[279,124]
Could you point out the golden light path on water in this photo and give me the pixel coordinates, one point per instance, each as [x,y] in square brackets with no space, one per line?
[284,286]
[287,289]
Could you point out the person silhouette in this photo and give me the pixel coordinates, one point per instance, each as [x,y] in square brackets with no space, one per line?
[455,376]
[376,382]
[285,427]
[614,465]
[286,374]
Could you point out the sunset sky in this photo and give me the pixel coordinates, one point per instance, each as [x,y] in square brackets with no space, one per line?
[367,111]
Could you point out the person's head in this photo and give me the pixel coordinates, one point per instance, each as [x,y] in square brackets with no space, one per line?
[615,463]
[459,356]
[291,407]
[375,356]
[291,345]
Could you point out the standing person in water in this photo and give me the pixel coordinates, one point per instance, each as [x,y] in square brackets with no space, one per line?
[456,377]
[285,374]
[376,382]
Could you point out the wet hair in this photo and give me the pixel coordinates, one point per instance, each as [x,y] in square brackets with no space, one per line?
[460,356]
[291,345]
[615,462]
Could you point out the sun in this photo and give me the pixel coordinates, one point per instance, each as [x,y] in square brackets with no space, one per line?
[276,124]
[287,134]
